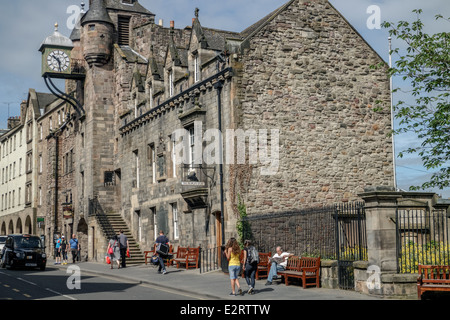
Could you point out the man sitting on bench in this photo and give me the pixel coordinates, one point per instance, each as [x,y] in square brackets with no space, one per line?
[279,262]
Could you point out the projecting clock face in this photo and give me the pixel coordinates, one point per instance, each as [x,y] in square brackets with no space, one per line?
[58,61]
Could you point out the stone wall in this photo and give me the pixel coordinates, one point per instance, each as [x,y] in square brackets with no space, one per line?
[307,73]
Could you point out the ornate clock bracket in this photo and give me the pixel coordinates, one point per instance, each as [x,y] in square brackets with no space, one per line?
[65,97]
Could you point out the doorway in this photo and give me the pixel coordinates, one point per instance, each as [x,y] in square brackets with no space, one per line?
[139,225]
[218,216]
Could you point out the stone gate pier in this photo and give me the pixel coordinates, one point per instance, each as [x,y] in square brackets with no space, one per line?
[380,275]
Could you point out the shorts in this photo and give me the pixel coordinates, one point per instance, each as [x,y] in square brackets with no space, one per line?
[57,253]
[234,271]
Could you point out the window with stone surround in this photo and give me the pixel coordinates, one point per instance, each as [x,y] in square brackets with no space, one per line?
[136,170]
[171,83]
[175,221]
[151,156]
[196,68]
[124,30]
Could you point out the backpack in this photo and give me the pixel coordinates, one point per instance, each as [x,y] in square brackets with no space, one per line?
[252,255]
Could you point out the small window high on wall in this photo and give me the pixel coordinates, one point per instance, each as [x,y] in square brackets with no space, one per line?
[124,31]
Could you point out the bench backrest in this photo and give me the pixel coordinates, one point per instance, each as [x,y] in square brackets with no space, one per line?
[434,274]
[181,252]
[309,262]
[264,258]
[293,263]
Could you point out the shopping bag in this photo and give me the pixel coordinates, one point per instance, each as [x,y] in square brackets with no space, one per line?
[108,260]
[128,253]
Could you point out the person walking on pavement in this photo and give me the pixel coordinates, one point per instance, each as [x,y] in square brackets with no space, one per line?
[233,252]
[57,250]
[123,241]
[114,251]
[63,248]
[250,265]
[164,240]
[74,247]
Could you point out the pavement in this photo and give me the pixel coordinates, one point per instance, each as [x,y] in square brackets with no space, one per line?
[214,285]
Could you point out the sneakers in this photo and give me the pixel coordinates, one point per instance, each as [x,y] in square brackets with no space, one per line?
[164,272]
[250,291]
[268,283]
[240,293]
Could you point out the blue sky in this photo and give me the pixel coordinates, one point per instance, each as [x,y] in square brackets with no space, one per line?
[24,24]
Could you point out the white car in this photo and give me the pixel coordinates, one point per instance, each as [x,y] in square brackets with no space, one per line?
[2,244]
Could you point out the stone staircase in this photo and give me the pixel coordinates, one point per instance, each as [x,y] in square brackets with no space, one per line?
[117,223]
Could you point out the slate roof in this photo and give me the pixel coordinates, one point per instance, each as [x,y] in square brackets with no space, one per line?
[130,55]
[97,13]
[135,7]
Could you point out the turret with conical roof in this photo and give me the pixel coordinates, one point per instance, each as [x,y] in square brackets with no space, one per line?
[97,31]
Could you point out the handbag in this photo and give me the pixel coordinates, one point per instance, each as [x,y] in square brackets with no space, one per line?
[108,260]
[110,250]
[155,260]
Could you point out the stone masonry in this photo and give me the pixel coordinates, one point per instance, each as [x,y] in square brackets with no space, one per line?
[301,71]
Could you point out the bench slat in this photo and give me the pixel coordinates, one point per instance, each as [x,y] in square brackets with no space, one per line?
[433,278]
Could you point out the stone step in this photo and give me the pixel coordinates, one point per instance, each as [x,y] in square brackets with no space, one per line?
[117,223]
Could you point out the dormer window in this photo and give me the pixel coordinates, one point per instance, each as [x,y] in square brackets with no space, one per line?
[171,84]
[196,68]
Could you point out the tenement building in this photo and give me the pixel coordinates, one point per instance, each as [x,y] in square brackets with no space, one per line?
[179,125]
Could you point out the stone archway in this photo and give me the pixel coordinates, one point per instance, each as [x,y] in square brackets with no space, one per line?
[82,232]
[3,230]
[28,225]
[10,227]
[19,228]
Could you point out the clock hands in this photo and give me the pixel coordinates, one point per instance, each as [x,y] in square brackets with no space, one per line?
[59,61]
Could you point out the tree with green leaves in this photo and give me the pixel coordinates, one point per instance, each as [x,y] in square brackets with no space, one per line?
[425,66]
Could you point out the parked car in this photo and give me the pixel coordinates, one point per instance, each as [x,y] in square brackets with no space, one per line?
[2,244]
[24,250]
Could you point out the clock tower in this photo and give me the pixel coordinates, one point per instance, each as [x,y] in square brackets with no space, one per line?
[56,51]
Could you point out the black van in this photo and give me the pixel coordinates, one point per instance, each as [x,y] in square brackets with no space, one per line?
[24,250]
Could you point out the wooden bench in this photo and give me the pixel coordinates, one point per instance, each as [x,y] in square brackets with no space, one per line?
[263,265]
[303,268]
[433,278]
[187,256]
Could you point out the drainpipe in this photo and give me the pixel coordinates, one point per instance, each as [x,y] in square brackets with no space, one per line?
[56,180]
[218,86]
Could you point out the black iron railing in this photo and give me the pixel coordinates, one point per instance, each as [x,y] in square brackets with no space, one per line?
[95,209]
[213,259]
[422,238]
[194,176]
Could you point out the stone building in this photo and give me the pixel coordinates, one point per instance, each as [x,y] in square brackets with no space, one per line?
[292,96]
[14,214]
[39,188]
[302,70]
